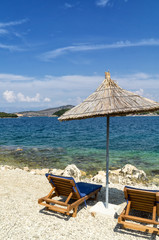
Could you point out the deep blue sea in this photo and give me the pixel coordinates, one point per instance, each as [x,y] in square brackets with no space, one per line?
[42,142]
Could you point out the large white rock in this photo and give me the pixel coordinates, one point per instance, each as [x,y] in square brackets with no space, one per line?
[33,171]
[58,172]
[39,171]
[133,173]
[43,171]
[100,177]
[114,176]
[72,171]
[127,175]
[6,167]
[128,169]
[26,169]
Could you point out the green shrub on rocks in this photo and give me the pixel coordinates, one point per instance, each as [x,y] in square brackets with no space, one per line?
[60,112]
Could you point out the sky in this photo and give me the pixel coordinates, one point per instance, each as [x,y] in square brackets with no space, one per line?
[55,52]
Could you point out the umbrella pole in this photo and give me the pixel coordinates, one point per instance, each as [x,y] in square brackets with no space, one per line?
[107,165]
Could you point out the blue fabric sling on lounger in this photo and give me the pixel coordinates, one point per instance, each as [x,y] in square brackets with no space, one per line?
[83,188]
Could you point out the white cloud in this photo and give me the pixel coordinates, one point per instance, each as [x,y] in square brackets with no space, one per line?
[50,85]
[70,82]
[9,96]
[141,83]
[33,99]
[68,5]
[47,99]
[140,75]
[22,98]
[53,91]
[139,92]
[10,47]
[13,23]
[79,100]
[102,3]
[3,31]
[82,48]
[13,77]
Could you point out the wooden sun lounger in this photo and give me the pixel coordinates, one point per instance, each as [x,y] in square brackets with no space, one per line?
[67,187]
[142,200]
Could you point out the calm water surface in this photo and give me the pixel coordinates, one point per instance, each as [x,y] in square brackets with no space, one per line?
[46,142]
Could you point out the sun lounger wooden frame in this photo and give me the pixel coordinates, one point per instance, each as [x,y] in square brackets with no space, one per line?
[142,200]
[67,188]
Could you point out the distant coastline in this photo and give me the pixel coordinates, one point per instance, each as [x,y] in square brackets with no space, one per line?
[50,112]
[57,112]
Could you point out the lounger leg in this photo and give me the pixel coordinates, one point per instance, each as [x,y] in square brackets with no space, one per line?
[120,218]
[95,197]
[154,213]
[75,212]
[124,212]
[128,208]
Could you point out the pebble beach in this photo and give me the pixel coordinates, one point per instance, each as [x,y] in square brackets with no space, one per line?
[22,218]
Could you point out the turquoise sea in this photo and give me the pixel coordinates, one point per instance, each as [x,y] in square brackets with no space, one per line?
[43,142]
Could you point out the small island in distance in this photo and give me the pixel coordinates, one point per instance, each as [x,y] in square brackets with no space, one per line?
[8,115]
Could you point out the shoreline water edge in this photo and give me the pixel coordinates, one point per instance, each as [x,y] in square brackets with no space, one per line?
[44,142]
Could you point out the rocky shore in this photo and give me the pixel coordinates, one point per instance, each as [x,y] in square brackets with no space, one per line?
[127,175]
[22,218]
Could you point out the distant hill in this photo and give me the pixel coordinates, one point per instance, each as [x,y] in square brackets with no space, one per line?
[44,113]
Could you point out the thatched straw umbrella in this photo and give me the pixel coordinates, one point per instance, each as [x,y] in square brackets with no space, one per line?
[110,100]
